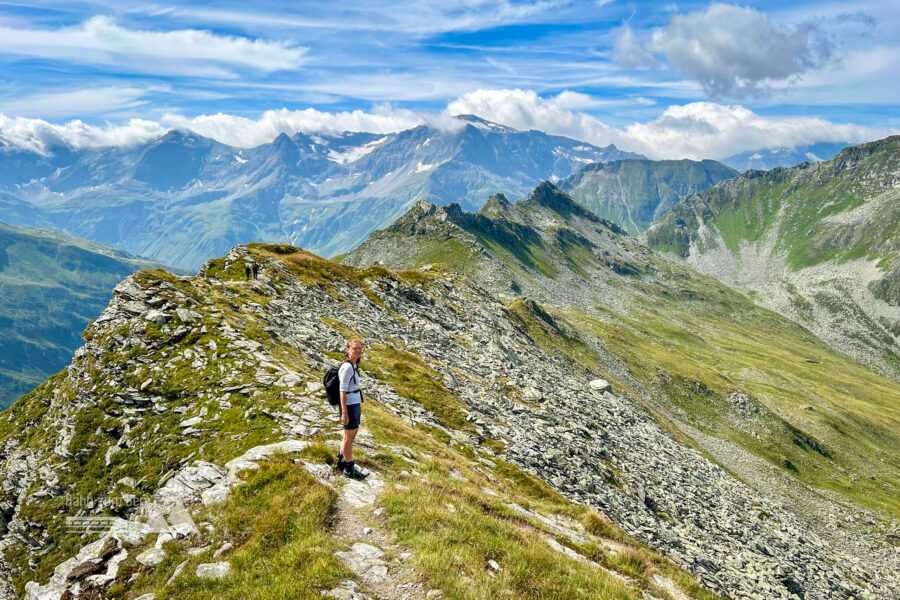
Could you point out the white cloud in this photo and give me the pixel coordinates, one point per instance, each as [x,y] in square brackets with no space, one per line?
[737,51]
[524,109]
[38,135]
[710,130]
[88,101]
[628,52]
[100,40]
[695,130]
[244,132]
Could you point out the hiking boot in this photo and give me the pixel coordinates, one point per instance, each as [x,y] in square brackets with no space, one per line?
[340,465]
[354,473]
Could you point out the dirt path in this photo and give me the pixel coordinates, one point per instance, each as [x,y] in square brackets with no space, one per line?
[383,568]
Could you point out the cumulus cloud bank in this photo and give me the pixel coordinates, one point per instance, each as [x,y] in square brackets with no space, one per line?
[695,130]
[37,135]
[710,130]
[732,51]
[240,131]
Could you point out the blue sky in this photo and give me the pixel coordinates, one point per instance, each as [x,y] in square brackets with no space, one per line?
[680,79]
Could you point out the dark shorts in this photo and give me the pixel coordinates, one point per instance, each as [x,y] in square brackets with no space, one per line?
[353,411]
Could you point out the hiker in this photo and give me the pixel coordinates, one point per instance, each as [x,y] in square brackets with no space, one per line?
[351,399]
[255,270]
[247,271]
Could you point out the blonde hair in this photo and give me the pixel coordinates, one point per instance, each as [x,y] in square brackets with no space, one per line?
[352,340]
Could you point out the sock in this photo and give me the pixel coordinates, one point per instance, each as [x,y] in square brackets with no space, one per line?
[348,465]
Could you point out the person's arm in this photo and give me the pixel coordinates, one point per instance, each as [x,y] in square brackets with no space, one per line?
[345,418]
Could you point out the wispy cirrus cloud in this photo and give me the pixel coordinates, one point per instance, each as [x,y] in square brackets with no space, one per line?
[86,101]
[414,17]
[100,40]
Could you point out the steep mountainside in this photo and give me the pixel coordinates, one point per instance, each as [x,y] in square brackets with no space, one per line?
[51,285]
[739,381]
[769,158]
[636,192]
[488,445]
[184,198]
[818,243]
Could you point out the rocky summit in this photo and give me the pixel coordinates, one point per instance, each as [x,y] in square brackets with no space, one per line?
[192,435]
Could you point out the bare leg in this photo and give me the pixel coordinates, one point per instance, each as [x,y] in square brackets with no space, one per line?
[347,444]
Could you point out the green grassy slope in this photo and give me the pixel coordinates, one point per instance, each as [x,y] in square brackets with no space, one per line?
[51,285]
[818,243]
[689,346]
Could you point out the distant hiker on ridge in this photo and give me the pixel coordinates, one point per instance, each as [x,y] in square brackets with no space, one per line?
[255,270]
[247,271]
[351,400]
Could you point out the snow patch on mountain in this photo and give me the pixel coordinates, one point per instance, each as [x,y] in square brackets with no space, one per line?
[350,155]
[422,167]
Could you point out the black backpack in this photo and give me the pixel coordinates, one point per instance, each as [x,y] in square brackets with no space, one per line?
[332,384]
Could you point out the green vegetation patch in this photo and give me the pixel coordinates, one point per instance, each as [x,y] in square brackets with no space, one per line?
[411,377]
[810,408]
[456,527]
[278,524]
[311,268]
[454,538]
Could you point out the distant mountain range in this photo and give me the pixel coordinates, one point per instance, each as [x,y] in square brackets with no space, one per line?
[183,198]
[51,285]
[769,158]
[636,192]
[819,243]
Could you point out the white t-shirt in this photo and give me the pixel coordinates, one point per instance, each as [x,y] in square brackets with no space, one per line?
[350,383]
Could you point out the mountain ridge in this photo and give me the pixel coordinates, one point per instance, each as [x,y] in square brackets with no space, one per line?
[749,387]
[816,242]
[637,192]
[769,158]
